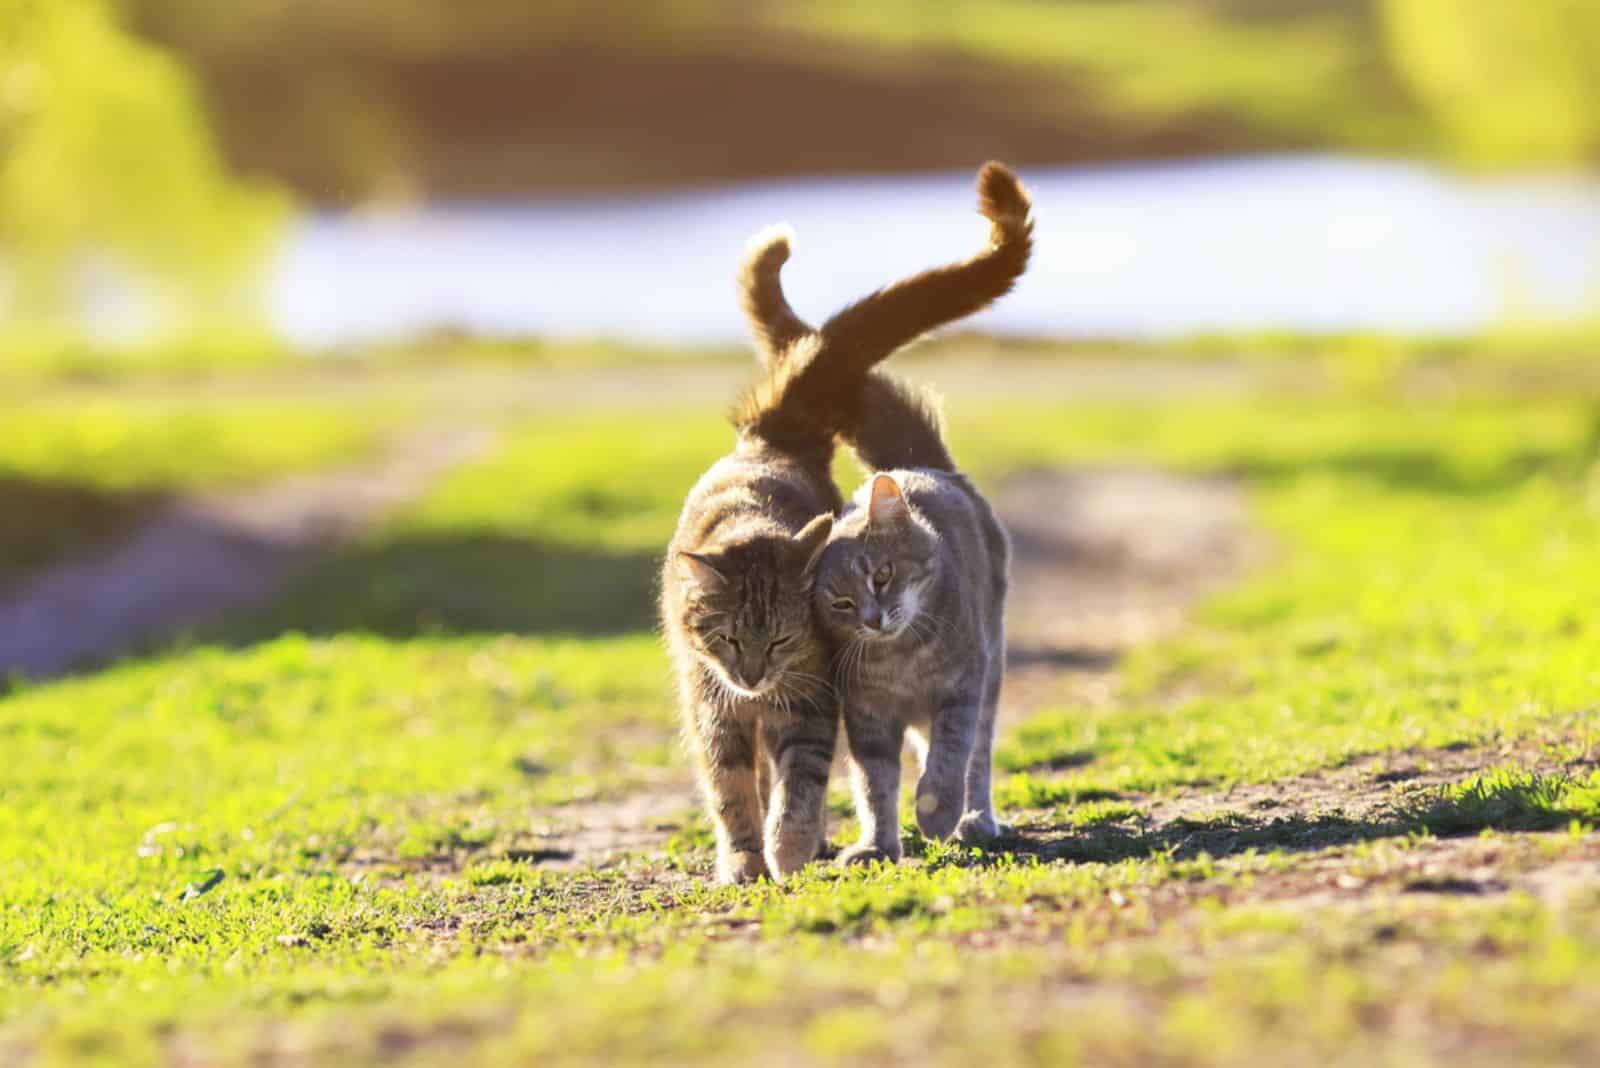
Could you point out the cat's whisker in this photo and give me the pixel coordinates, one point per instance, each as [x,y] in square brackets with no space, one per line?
[806,677]
[926,630]
[859,661]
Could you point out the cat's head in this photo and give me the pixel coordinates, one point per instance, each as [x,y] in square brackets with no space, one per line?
[877,574]
[747,610]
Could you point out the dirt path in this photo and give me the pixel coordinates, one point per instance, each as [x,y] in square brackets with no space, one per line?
[1103,560]
[208,555]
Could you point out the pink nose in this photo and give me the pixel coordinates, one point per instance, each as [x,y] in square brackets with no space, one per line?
[874,621]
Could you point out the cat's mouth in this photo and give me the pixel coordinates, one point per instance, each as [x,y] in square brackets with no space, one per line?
[890,629]
[760,690]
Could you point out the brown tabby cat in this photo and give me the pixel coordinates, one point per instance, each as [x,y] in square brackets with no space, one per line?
[753,672]
[911,589]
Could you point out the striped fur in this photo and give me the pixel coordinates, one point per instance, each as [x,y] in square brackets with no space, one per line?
[752,674]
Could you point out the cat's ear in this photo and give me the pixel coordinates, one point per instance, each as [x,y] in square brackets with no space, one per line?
[812,539]
[887,508]
[700,569]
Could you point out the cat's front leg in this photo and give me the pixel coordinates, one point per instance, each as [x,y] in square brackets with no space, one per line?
[942,789]
[978,824]
[728,776]
[875,742]
[800,746]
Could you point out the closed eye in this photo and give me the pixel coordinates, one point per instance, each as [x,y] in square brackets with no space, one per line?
[779,643]
[726,640]
[843,604]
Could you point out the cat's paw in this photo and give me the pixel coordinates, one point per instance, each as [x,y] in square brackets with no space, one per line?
[936,820]
[866,853]
[979,828]
[791,852]
[741,866]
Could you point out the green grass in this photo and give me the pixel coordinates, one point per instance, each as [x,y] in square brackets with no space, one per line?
[1434,566]
[77,467]
[325,847]
[559,531]
[1513,799]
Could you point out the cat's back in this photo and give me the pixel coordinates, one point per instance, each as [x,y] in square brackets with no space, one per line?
[949,500]
[964,519]
[750,493]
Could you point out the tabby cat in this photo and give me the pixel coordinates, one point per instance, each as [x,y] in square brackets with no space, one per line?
[911,588]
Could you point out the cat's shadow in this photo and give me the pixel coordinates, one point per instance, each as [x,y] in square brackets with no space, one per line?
[1059,841]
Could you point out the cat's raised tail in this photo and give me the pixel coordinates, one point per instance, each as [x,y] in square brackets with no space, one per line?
[773,322]
[898,314]
[814,388]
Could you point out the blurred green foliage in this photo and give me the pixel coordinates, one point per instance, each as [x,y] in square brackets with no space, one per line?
[1511,81]
[106,152]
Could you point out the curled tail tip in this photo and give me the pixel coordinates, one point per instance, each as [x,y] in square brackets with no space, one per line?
[769,247]
[1001,197]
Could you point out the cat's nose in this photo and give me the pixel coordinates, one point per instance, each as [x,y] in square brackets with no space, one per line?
[874,621]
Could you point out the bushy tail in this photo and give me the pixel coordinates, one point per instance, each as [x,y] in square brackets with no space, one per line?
[774,324]
[820,382]
[900,313]
[898,427]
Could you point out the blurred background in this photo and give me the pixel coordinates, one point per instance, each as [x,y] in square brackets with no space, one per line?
[270,270]
[332,173]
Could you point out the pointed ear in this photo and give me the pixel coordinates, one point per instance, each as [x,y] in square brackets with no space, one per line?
[887,508]
[700,570]
[813,538]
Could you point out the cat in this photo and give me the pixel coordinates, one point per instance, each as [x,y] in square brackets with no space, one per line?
[754,674]
[910,589]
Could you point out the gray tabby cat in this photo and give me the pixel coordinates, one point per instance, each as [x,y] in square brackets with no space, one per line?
[753,671]
[911,588]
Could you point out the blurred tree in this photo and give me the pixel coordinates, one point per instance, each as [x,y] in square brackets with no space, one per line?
[105,153]
[1511,81]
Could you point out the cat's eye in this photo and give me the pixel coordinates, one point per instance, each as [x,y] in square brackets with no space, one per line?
[843,604]
[779,643]
[881,577]
[727,640]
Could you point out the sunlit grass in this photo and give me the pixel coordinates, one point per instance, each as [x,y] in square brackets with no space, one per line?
[324,847]
[80,468]
[117,444]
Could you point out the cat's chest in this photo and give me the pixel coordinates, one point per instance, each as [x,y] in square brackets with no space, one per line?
[900,673]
